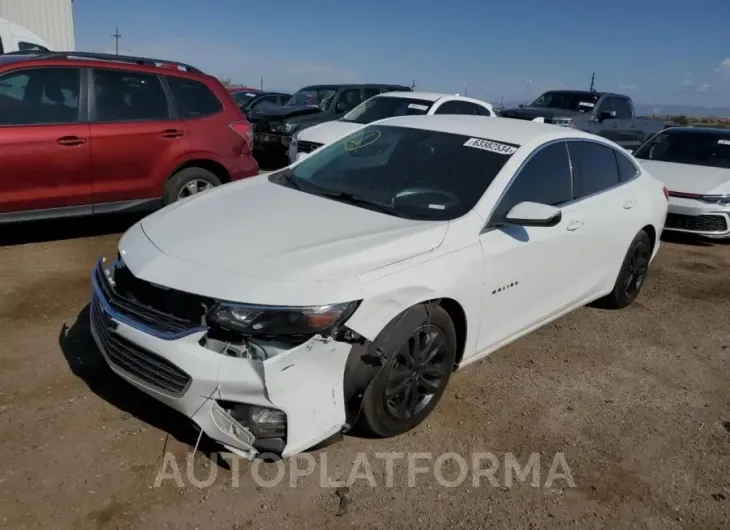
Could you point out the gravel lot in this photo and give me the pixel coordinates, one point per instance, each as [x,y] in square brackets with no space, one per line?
[637,401]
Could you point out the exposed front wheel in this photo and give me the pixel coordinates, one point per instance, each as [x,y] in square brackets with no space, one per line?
[420,347]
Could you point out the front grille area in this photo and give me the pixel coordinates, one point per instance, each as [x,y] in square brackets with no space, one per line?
[696,223]
[164,310]
[138,362]
[307,147]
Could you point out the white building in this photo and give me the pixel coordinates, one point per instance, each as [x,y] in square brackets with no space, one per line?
[51,20]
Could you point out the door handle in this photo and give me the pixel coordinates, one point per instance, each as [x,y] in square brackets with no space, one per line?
[628,205]
[614,125]
[574,225]
[172,133]
[70,141]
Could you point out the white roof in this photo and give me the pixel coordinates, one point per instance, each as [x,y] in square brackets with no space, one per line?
[428,96]
[508,130]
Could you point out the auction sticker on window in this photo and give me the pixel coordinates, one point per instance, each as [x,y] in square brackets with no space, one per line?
[416,106]
[492,147]
[723,142]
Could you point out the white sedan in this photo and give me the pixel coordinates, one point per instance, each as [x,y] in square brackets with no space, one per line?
[344,290]
[694,164]
[382,106]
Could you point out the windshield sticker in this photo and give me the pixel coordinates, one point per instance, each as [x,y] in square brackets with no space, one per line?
[416,106]
[586,104]
[723,142]
[363,140]
[492,147]
[437,206]
[249,94]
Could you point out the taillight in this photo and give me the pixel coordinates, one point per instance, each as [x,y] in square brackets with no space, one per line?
[666,192]
[245,131]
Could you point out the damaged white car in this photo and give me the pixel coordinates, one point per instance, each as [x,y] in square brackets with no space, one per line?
[345,289]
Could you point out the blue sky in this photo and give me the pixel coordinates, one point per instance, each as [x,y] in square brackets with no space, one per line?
[659,52]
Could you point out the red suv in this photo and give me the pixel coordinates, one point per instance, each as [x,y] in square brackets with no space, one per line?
[85,133]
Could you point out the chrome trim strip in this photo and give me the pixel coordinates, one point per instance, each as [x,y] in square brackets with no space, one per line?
[132,323]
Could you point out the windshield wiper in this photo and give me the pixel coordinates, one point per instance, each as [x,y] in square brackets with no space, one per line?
[349,198]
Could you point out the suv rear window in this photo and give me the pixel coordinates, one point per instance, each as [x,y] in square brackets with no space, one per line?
[193,98]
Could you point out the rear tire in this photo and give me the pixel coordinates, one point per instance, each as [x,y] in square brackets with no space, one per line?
[632,275]
[187,182]
[421,352]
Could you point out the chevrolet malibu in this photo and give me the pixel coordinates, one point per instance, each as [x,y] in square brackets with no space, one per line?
[345,289]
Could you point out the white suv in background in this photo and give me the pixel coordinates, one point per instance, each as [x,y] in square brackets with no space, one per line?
[387,105]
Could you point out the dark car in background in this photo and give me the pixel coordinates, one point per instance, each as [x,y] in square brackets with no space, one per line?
[248,100]
[611,116]
[312,105]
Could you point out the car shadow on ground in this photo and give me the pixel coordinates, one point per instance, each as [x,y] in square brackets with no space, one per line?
[87,363]
[691,239]
[69,228]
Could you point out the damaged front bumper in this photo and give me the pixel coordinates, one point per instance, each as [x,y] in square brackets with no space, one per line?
[297,395]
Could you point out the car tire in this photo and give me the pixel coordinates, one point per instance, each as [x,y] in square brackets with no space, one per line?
[632,275]
[188,181]
[382,413]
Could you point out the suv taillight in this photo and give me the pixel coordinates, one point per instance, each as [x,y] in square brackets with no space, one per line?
[245,131]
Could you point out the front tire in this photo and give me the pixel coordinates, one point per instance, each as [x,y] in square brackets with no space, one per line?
[632,275]
[420,346]
[187,182]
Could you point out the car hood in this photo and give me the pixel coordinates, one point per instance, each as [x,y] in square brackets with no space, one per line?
[283,111]
[325,133]
[529,113]
[685,178]
[261,229]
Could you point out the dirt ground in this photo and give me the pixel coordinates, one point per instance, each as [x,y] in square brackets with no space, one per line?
[637,401]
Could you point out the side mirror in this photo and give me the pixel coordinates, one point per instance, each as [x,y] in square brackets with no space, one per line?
[607,115]
[533,214]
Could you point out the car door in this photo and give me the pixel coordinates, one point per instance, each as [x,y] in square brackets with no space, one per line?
[630,136]
[136,137]
[606,208]
[531,273]
[44,141]
[609,126]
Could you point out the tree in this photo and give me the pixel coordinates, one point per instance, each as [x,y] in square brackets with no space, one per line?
[681,120]
[227,82]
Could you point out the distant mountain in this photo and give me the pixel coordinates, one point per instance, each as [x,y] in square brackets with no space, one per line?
[676,110]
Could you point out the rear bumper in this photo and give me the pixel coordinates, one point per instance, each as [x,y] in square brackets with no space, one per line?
[694,217]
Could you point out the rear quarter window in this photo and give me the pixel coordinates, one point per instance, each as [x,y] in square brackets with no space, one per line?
[193,98]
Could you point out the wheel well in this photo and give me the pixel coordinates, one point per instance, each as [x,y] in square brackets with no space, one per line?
[458,317]
[214,167]
[651,232]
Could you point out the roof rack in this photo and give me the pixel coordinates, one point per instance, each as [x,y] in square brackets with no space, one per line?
[143,61]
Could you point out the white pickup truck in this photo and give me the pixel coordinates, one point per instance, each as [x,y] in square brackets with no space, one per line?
[17,38]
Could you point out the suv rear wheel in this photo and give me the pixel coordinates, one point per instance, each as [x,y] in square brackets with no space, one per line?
[187,182]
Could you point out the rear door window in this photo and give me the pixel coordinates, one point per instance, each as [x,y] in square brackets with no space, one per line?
[128,96]
[594,168]
[193,98]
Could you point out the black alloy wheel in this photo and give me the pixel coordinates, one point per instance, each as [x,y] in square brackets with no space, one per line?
[419,370]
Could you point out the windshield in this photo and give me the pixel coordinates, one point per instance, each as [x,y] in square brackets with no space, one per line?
[243,97]
[315,97]
[575,101]
[403,171]
[381,107]
[697,148]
